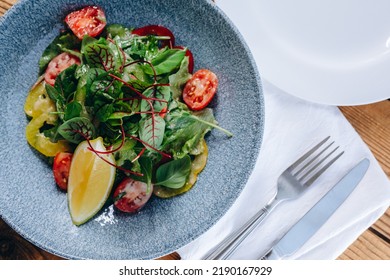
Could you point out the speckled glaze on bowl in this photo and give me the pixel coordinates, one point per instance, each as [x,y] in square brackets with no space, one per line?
[36,209]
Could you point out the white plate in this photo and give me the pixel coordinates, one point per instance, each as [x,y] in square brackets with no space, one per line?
[333,52]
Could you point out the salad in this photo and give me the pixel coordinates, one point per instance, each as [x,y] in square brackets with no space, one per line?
[128,98]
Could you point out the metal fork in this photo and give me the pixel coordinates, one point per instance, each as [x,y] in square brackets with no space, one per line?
[291,184]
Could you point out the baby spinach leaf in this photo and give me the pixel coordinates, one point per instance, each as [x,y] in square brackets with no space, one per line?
[104,87]
[77,129]
[104,112]
[72,110]
[151,131]
[174,174]
[166,61]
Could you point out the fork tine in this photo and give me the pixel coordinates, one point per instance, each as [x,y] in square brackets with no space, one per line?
[311,161]
[322,170]
[318,163]
[305,156]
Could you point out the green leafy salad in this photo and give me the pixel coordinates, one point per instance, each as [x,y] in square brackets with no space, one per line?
[132,89]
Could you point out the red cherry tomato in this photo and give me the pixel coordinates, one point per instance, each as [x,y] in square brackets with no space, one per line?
[90,20]
[59,64]
[61,167]
[190,58]
[130,195]
[157,30]
[200,89]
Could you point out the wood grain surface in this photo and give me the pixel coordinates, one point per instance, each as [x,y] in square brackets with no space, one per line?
[372,122]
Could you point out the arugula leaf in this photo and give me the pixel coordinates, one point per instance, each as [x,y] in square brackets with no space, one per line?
[151,131]
[174,174]
[165,61]
[184,130]
[77,129]
[141,47]
[114,30]
[65,41]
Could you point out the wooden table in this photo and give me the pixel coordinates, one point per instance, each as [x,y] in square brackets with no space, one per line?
[372,122]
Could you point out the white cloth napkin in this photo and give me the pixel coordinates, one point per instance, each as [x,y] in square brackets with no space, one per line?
[292,126]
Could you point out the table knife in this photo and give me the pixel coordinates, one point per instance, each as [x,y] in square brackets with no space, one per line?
[313,220]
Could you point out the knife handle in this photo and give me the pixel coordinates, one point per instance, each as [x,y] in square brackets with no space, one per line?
[230,244]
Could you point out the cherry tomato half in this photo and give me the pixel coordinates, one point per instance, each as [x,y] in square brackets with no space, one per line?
[59,64]
[130,195]
[200,89]
[90,20]
[190,58]
[61,167]
[157,30]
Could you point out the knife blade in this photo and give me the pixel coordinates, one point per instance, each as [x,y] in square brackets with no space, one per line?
[313,220]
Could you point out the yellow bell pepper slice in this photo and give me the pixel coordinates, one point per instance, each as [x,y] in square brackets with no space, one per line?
[40,142]
[38,105]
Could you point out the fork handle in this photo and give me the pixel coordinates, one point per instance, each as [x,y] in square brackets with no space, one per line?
[230,243]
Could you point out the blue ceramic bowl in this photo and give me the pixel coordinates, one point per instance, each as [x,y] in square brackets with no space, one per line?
[32,204]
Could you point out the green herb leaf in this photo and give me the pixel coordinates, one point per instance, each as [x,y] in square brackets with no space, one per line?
[140,47]
[174,173]
[146,165]
[66,82]
[178,80]
[77,130]
[58,99]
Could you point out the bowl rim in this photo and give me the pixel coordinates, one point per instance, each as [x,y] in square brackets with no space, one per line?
[261,118]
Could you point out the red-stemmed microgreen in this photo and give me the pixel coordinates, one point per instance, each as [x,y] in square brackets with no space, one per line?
[139,155]
[150,146]
[97,153]
[123,138]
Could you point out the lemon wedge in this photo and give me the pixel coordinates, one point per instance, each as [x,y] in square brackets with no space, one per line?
[90,180]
